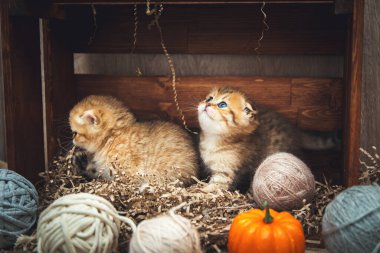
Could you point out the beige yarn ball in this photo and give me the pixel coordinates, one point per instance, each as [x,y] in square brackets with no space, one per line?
[284,181]
[170,233]
[79,223]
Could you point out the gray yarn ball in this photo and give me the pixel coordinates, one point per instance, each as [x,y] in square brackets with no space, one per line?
[351,222]
[18,206]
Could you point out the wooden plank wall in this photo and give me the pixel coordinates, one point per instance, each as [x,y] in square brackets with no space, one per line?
[310,103]
[370,130]
[211,29]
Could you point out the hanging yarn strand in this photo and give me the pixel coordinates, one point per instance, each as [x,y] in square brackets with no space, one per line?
[265,28]
[155,22]
[148,10]
[136,23]
[95,24]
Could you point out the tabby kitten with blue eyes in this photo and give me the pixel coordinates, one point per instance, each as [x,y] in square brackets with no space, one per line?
[236,137]
[116,142]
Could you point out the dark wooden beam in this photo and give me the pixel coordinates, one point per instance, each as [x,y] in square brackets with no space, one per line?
[110,2]
[20,50]
[60,93]
[344,6]
[36,8]
[210,29]
[353,96]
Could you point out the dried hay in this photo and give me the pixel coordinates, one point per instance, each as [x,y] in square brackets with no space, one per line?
[210,213]
[370,166]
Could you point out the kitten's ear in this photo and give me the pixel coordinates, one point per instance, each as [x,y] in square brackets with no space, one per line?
[90,118]
[249,111]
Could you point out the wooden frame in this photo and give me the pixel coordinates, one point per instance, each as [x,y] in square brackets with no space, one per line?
[353,95]
[105,2]
[60,90]
[22,92]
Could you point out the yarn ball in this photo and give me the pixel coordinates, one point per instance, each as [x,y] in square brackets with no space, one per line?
[18,206]
[165,233]
[284,181]
[351,222]
[79,223]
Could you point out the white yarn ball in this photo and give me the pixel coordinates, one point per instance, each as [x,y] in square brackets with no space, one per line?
[79,223]
[284,181]
[170,233]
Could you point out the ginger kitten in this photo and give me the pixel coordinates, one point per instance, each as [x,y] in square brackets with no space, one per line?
[236,137]
[107,130]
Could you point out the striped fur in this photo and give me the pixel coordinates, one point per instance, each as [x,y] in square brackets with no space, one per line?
[237,137]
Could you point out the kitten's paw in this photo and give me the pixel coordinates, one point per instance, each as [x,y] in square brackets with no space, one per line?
[214,188]
[86,167]
[80,161]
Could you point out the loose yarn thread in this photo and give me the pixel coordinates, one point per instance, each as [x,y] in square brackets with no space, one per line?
[265,29]
[157,14]
[79,223]
[18,206]
[165,233]
[284,181]
[95,25]
[351,222]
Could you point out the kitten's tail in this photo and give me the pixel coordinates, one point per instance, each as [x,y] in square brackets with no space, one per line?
[320,140]
[3,165]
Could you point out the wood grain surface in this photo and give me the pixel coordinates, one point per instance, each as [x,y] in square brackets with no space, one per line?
[211,29]
[311,103]
[370,98]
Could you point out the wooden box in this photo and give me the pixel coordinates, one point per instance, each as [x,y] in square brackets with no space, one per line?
[39,39]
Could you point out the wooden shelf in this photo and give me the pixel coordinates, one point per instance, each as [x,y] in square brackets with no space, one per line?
[73,2]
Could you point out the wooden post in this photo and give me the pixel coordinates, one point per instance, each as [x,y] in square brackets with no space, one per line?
[353,96]
[20,49]
[60,92]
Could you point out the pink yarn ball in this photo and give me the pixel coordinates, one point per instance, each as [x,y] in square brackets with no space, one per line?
[284,181]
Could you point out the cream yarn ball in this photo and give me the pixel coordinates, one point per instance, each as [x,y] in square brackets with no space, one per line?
[169,233]
[284,181]
[79,223]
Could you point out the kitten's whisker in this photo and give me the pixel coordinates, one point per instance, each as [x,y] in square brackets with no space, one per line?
[190,108]
[61,119]
[63,147]
[196,100]
[193,103]
[65,143]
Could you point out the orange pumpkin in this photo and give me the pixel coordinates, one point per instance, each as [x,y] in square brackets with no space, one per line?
[266,231]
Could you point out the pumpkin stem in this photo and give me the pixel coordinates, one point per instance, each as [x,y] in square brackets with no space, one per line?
[268,218]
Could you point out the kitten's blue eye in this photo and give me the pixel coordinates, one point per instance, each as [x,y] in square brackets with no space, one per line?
[209,99]
[222,104]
